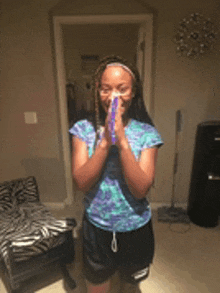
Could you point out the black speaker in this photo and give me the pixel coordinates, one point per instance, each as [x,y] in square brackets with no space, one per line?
[204,194]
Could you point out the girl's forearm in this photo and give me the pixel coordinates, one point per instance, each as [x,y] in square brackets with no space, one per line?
[89,174]
[135,177]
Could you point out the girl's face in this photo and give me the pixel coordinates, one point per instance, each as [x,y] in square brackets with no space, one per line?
[116,81]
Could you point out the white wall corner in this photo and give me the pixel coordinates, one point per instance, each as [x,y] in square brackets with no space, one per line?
[68,201]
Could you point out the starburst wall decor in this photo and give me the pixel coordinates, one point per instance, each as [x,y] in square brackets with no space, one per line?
[195,36]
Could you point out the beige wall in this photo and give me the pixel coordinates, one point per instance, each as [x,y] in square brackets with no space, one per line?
[28,84]
[186,84]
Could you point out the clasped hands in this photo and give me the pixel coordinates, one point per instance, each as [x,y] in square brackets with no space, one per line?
[119,129]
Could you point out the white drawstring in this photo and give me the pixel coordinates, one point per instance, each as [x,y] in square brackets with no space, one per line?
[114,243]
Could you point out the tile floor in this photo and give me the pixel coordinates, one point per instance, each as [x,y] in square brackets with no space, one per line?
[187,260]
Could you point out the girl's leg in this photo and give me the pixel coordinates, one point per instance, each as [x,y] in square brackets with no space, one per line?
[102,288]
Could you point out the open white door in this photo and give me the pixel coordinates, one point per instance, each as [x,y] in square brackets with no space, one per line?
[144,61]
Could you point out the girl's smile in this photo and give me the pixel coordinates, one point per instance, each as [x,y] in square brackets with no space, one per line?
[116,81]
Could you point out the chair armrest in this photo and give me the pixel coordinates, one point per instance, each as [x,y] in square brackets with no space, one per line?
[71,222]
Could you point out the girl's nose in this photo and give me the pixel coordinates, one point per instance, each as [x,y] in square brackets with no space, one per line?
[114,94]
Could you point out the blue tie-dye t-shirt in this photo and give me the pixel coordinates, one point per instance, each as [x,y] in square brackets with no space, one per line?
[110,205]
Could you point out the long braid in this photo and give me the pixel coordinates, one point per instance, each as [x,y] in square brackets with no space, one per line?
[97,120]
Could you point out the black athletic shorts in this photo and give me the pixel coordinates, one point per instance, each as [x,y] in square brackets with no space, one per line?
[104,253]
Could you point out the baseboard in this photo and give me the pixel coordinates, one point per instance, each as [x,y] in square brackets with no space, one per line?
[156,205]
[55,205]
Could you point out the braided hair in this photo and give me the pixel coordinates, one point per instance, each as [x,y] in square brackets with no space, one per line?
[137,108]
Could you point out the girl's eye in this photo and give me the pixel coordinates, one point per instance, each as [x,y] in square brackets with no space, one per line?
[105,91]
[123,90]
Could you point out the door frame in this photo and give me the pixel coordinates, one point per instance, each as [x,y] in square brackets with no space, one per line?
[145,20]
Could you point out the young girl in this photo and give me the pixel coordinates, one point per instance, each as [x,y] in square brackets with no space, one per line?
[117,228]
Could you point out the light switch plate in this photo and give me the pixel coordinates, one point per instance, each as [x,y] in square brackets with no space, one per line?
[30,117]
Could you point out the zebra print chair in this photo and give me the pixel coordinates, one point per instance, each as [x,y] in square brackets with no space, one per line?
[30,237]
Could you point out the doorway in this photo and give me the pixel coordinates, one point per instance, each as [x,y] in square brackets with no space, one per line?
[82,55]
[141,31]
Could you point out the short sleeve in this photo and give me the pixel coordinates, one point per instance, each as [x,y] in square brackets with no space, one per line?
[151,138]
[80,129]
